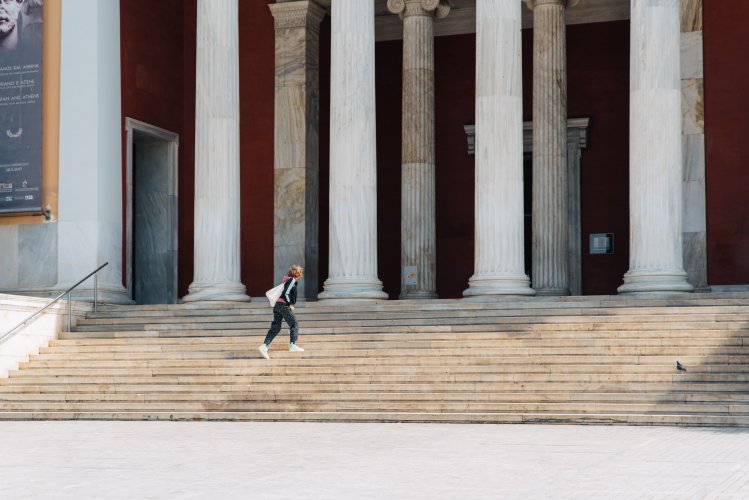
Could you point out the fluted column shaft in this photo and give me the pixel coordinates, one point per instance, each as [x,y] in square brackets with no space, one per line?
[418,212]
[217,208]
[549,271]
[655,195]
[499,254]
[352,267]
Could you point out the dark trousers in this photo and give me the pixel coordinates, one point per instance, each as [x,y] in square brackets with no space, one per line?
[282,311]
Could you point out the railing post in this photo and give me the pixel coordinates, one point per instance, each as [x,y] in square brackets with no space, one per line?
[96,286]
[70,309]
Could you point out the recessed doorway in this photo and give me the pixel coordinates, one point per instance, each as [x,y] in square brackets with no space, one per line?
[151,227]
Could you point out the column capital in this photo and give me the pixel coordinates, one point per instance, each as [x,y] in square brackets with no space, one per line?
[406,8]
[564,3]
[300,14]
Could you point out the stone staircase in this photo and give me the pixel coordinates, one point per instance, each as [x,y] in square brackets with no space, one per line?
[566,360]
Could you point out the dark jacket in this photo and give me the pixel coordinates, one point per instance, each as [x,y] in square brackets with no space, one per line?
[289,291]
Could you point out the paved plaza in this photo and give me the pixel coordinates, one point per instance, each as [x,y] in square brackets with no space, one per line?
[379,461]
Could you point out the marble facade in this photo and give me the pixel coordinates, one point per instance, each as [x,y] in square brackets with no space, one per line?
[42,258]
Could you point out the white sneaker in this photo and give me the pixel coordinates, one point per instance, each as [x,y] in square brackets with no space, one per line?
[295,348]
[264,351]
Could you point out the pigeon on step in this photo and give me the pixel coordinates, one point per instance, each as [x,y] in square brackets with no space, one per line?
[680,367]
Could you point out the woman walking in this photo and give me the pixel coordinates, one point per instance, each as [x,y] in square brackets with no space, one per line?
[284,310]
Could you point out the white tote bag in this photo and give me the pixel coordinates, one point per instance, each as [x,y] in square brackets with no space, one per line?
[274,294]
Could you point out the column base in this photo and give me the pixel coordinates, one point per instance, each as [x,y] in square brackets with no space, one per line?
[649,282]
[499,285]
[231,292]
[417,295]
[355,290]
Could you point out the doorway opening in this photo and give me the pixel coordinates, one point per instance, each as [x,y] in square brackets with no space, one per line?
[151,226]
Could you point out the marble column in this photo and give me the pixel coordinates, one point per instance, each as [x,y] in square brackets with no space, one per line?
[655,156]
[297,143]
[216,274]
[549,272]
[352,267]
[418,213]
[499,250]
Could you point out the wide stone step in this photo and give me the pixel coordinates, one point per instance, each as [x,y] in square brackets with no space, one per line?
[664,337]
[357,318]
[531,397]
[437,380]
[521,324]
[80,371]
[289,359]
[561,387]
[465,331]
[411,352]
[709,420]
[384,406]
[333,344]
[241,367]
[722,299]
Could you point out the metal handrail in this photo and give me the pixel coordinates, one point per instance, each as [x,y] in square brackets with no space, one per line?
[66,292]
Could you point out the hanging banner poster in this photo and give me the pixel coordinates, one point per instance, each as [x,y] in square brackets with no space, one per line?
[21,106]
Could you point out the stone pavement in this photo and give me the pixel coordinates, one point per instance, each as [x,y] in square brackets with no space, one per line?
[139,460]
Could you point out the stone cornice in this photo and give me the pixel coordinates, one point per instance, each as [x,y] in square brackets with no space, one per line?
[301,14]
[406,8]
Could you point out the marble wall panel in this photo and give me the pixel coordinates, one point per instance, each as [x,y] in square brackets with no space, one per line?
[284,256]
[37,255]
[290,67]
[691,15]
[693,106]
[152,227]
[151,167]
[693,200]
[692,64]
[695,256]
[290,127]
[154,256]
[694,157]
[8,257]
[289,207]
[77,250]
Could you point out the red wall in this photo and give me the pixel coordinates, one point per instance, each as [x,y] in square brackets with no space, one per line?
[256,96]
[598,88]
[187,150]
[151,72]
[726,40]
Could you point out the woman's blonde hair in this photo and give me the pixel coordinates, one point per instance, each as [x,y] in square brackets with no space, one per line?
[296,271]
